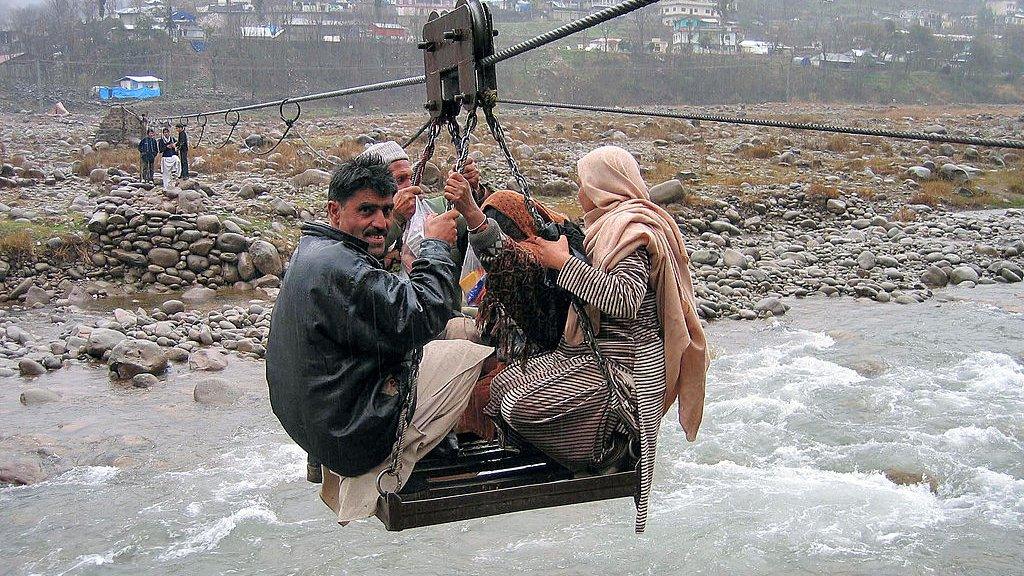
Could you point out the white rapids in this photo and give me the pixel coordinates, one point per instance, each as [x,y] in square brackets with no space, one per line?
[809,420]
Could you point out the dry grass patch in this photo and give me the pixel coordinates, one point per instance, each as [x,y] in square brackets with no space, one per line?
[943,193]
[219,160]
[16,245]
[821,192]
[882,166]
[21,242]
[932,193]
[759,152]
[126,159]
[904,214]
[841,144]
[660,171]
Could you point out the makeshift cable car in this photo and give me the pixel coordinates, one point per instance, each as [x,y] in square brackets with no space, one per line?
[483,479]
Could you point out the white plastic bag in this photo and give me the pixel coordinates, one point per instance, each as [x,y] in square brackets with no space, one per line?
[413,236]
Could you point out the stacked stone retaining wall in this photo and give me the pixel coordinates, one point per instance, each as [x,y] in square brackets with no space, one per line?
[148,246]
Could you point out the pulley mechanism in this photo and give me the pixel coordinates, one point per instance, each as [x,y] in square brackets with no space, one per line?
[454,44]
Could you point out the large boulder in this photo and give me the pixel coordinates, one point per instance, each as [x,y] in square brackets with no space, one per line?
[266,258]
[934,277]
[35,396]
[284,208]
[207,360]
[771,305]
[245,266]
[558,188]
[311,177]
[21,472]
[164,257]
[102,340]
[134,356]
[232,242]
[208,223]
[216,392]
[98,175]
[668,192]
[36,295]
[919,173]
[963,274]
[29,367]
[954,172]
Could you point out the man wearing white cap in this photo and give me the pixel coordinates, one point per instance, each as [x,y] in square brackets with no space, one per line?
[397,160]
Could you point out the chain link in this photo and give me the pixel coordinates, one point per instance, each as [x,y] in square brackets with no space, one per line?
[394,467]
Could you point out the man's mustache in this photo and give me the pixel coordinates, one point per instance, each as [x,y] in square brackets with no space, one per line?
[374,230]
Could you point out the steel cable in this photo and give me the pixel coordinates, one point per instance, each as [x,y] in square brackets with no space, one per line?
[895,134]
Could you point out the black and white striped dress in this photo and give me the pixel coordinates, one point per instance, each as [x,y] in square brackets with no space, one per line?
[558,401]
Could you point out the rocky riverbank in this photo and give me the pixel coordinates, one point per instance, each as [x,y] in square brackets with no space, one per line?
[768,216]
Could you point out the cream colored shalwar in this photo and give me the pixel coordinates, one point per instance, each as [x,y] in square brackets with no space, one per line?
[448,371]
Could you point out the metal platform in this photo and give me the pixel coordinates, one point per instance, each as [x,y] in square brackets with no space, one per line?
[485,480]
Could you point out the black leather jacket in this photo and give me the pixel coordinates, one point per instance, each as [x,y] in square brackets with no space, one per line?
[342,337]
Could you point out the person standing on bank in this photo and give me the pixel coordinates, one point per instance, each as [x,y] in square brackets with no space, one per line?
[170,165]
[148,150]
[183,150]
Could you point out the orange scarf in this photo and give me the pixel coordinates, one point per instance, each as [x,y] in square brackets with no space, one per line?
[620,219]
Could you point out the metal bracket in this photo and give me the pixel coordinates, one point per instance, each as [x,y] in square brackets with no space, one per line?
[453,45]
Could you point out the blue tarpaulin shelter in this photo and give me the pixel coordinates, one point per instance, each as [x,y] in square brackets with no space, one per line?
[132,88]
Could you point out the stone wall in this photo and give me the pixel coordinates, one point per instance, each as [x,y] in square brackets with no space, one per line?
[149,246]
[119,126]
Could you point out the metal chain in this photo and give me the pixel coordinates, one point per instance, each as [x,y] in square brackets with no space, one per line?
[316,152]
[629,419]
[419,132]
[428,151]
[544,230]
[394,467]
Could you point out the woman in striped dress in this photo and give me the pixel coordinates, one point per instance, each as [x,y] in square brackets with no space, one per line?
[640,300]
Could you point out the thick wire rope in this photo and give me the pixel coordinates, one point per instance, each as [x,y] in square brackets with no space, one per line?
[895,134]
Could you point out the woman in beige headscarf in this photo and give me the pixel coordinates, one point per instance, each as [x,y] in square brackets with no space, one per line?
[639,298]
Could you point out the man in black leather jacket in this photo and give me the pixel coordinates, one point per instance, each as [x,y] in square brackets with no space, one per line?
[344,330]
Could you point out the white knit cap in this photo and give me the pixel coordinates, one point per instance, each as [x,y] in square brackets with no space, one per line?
[387,151]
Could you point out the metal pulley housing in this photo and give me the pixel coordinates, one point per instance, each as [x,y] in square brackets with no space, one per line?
[454,43]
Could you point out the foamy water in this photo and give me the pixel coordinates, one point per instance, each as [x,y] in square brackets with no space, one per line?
[805,415]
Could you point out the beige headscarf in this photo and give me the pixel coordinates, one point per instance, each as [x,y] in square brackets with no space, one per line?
[620,219]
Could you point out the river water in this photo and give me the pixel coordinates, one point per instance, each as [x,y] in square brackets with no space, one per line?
[804,415]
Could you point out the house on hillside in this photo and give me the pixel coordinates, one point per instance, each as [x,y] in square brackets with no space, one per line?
[833,60]
[704,36]
[756,47]
[1004,8]
[674,10]
[390,32]
[420,8]
[261,31]
[604,44]
[131,88]
[185,26]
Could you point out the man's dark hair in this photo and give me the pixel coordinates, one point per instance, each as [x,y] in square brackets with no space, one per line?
[366,171]
[149,131]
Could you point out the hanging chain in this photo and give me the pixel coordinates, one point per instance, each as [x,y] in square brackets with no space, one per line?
[488,99]
[394,467]
[428,152]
